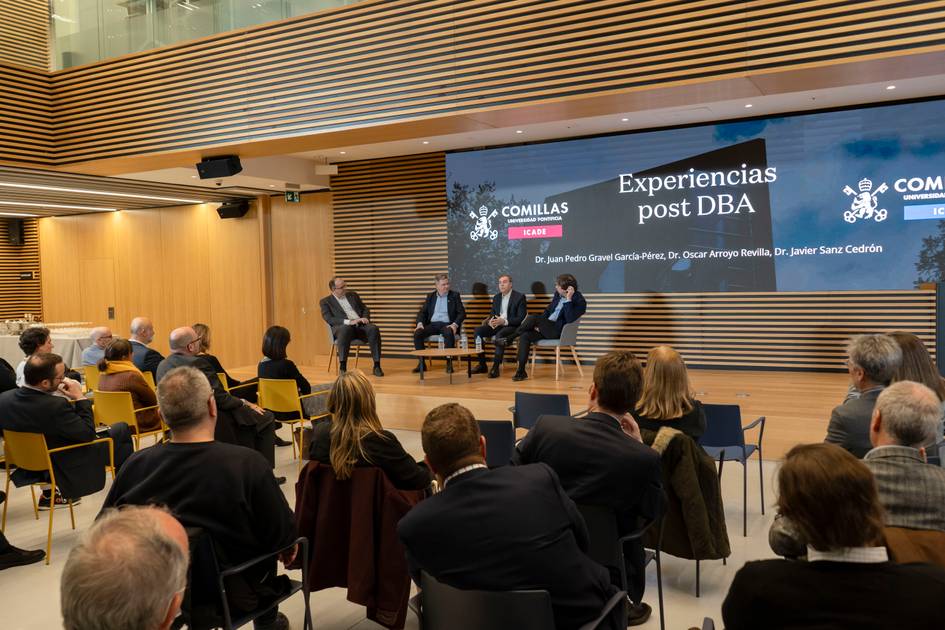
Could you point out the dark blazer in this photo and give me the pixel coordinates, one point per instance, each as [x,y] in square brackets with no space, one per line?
[518,307]
[225,401]
[509,528]
[454,307]
[692,423]
[145,359]
[850,423]
[598,464]
[284,368]
[569,312]
[7,376]
[335,315]
[79,472]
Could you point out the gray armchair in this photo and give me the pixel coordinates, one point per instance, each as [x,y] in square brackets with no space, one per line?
[568,339]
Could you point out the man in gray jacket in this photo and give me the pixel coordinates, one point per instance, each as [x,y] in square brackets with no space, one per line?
[872,361]
[907,418]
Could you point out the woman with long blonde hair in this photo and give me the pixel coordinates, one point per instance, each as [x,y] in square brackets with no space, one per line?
[354,436]
[667,399]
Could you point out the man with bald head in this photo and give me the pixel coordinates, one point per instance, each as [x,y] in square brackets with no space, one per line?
[101,336]
[144,358]
[906,419]
[241,422]
[145,548]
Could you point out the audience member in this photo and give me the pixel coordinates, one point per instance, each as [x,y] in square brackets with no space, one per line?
[917,366]
[128,572]
[567,305]
[119,374]
[502,529]
[11,556]
[602,461]
[247,392]
[33,340]
[144,358]
[667,399]
[64,421]
[241,422]
[848,581]
[7,376]
[872,361]
[355,437]
[912,492]
[225,489]
[277,364]
[349,318]
[101,336]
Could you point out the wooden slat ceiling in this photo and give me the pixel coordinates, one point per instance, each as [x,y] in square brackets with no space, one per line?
[49,193]
[390,239]
[398,61]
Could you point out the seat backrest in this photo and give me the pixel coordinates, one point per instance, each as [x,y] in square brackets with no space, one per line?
[603,532]
[111,407]
[448,608]
[331,335]
[149,379]
[528,407]
[91,374]
[915,545]
[723,426]
[223,380]
[26,450]
[569,333]
[500,440]
[279,394]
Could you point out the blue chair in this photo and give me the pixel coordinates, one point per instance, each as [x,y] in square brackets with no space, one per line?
[442,607]
[724,440]
[500,441]
[528,407]
[605,545]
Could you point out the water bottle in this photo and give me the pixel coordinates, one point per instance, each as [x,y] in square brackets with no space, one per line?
[439,343]
[478,343]
[463,343]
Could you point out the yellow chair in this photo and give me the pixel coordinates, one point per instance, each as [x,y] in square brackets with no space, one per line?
[149,379]
[226,383]
[281,395]
[112,407]
[30,452]
[91,377]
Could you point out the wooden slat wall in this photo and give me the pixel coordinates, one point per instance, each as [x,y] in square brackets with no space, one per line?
[19,296]
[390,61]
[24,33]
[390,235]
[25,115]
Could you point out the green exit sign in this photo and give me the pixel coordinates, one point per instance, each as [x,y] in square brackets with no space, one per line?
[292,196]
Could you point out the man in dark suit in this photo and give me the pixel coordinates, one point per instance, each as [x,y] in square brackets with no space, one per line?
[349,319]
[872,361]
[602,461]
[144,358]
[503,529]
[64,420]
[442,313]
[509,308]
[566,306]
[241,422]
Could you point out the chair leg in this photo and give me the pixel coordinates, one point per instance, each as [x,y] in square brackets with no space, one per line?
[557,361]
[659,589]
[35,506]
[534,352]
[744,499]
[331,356]
[761,480]
[52,509]
[357,356]
[71,514]
[577,361]
[6,491]
[697,578]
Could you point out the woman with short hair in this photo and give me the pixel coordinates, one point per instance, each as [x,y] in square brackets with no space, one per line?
[667,399]
[354,436]
[848,581]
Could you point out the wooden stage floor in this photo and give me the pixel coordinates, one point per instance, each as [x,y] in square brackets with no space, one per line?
[797,404]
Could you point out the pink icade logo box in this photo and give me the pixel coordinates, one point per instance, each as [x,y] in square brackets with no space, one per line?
[541,231]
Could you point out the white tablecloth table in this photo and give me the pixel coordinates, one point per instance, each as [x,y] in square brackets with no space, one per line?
[68,344]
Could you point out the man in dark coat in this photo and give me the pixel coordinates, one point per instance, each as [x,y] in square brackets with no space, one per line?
[567,306]
[509,308]
[442,313]
[350,319]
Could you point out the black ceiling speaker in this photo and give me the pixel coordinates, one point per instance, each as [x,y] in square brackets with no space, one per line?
[217,167]
[233,209]
[16,233]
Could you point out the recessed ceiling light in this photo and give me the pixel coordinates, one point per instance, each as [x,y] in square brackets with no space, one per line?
[30,204]
[519,131]
[426,142]
[890,87]
[104,193]
[17,214]
[748,105]
[624,120]
[342,152]
[193,177]
[272,185]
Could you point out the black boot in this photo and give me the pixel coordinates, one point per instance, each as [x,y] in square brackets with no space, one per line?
[419,367]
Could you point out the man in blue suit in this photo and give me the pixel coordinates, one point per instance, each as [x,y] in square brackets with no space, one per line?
[567,305]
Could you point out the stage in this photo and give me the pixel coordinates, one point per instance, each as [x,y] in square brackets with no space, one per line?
[796,404]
